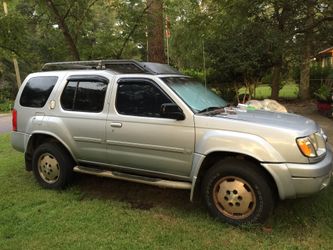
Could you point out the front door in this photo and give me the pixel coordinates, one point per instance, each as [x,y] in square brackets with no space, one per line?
[139,138]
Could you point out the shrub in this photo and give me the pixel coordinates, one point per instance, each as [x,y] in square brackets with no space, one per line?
[6,105]
[318,75]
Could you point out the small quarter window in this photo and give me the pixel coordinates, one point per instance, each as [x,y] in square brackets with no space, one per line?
[139,98]
[37,91]
[84,96]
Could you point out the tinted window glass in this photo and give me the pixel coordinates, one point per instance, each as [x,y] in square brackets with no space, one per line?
[67,96]
[37,91]
[140,98]
[84,96]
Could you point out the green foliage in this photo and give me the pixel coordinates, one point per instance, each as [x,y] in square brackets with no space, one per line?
[240,41]
[227,92]
[289,91]
[196,74]
[319,76]
[319,72]
[6,106]
[6,92]
[325,92]
[239,47]
[187,25]
[13,34]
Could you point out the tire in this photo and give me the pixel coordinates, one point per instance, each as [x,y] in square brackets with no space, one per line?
[237,192]
[52,166]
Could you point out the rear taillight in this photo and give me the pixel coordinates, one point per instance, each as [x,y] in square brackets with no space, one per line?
[14,120]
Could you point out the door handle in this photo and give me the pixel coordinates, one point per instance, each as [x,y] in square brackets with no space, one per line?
[116,124]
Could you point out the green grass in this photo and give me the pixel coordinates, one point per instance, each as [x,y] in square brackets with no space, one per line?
[289,91]
[98,213]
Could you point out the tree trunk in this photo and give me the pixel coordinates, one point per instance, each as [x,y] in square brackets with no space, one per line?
[236,88]
[155,31]
[65,31]
[276,79]
[304,86]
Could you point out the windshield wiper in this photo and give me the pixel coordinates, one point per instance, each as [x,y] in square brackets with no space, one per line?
[209,109]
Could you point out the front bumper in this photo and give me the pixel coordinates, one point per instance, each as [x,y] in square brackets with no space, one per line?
[298,180]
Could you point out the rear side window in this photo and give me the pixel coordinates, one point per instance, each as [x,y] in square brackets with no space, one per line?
[84,96]
[37,91]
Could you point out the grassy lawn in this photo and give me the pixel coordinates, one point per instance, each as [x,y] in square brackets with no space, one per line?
[98,213]
[289,91]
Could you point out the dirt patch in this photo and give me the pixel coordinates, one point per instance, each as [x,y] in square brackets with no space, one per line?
[137,196]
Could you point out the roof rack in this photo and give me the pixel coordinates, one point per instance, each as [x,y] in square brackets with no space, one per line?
[118,66]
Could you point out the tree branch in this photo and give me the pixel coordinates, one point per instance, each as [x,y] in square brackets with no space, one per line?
[68,11]
[78,27]
[10,49]
[64,28]
[132,31]
[314,25]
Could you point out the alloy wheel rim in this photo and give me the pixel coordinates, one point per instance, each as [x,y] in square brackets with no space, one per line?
[234,197]
[48,168]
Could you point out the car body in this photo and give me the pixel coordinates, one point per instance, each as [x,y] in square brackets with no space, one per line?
[151,124]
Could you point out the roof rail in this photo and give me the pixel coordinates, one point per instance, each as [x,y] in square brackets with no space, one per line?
[119,66]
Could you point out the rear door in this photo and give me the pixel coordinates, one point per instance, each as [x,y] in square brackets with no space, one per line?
[83,114]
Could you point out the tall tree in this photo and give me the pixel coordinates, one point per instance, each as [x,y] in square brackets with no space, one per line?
[155,31]
[60,19]
[304,87]
[78,10]
[279,22]
[315,13]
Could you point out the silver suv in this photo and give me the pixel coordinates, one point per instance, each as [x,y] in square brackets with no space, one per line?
[147,123]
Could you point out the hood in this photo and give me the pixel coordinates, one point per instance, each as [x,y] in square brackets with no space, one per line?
[274,119]
[280,130]
[259,122]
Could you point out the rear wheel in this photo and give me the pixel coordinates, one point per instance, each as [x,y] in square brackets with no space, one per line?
[237,192]
[52,166]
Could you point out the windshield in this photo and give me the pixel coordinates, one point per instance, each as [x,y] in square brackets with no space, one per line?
[194,94]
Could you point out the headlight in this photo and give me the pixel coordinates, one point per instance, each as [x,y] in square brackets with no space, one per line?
[323,134]
[313,145]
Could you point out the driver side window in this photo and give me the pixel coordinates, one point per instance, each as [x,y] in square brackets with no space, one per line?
[139,98]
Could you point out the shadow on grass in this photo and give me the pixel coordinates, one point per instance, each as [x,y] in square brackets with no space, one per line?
[138,196]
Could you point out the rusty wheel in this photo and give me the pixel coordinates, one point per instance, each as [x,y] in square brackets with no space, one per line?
[52,166]
[237,192]
[234,197]
[48,168]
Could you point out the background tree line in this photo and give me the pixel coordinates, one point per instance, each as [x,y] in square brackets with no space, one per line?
[228,43]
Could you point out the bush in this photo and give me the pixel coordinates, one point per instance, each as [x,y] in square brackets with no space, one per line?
[196,74]
[6,106]
[227,93]
[318,75]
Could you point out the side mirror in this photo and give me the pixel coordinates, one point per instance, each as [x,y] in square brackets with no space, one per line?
[171,110]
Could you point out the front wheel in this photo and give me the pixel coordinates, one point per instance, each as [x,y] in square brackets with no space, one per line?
[237,192]
[52,166]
